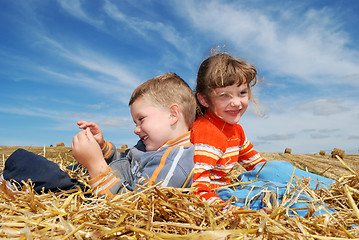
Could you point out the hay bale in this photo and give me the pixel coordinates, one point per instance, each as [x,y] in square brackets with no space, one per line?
[322,152]
[288,150]
[123,148]
[60,144]
[338,152]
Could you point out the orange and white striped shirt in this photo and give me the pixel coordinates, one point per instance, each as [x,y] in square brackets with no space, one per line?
[218,146]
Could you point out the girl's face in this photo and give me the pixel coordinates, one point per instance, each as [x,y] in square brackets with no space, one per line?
[228,103]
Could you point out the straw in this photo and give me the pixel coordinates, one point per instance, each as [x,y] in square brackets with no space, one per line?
[156,212]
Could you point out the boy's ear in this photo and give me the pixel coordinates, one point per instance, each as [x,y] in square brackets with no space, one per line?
[175,112]
[202,100]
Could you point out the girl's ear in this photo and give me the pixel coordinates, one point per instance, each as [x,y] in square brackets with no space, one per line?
[202,100]
[175,112]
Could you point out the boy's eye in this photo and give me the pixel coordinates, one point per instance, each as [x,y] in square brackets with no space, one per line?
[138,120]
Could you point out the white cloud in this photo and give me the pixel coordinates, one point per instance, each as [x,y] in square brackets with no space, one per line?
[277,136]
[43,113]
[306,44]
[113,89]
[324,107]
[328,130]
[98,105]
[145,27]
[74,8]
[309,130]
[116,122]
[95,62]
[319,135]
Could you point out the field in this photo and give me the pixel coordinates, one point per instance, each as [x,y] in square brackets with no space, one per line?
[168,213]
[322,165]
[315,163]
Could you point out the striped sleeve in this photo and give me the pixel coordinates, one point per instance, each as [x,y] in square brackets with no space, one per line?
[248,157]
[205,158]
[109,152]
[102,183]
[107,149]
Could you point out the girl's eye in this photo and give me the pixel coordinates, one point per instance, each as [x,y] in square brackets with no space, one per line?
[225,95]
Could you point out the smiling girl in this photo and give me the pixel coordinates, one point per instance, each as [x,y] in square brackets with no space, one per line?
[223,92]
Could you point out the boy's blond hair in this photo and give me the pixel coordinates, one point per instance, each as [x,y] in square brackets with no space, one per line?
[168,89]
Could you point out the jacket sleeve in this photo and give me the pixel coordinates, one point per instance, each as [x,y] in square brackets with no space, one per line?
[118,176]
[208,150]
[205,158]
[106,183]
[248,157]
[212,160]
[110,153]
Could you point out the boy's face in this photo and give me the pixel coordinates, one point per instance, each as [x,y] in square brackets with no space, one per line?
[229,103]
[152,123]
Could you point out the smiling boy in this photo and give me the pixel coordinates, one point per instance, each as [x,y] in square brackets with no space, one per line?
[163,109]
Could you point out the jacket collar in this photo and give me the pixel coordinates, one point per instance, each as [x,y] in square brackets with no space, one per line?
[218,122]
[183,140]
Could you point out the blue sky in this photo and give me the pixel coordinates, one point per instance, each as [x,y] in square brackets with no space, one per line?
[69,60]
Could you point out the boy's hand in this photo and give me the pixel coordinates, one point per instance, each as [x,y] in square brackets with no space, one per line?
[95,130]
[87,152]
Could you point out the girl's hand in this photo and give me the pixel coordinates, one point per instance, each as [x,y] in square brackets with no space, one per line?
[95,130]
[87,152]
[265,210]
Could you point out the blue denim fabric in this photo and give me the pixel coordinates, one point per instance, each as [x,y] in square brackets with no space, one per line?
[23,165]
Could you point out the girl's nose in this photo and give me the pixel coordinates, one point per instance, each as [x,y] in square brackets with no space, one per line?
[236,101]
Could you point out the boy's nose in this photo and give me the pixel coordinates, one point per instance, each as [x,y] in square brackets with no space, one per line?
[137,130]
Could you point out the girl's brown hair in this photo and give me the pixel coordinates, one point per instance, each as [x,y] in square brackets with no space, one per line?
[223,70]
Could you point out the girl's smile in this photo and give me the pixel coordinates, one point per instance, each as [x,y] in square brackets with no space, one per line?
[233,112]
